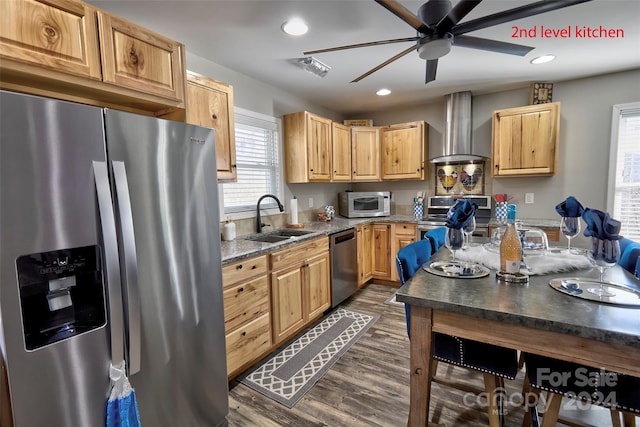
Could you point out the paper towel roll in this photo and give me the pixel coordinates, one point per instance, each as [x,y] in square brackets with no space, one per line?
[294,210]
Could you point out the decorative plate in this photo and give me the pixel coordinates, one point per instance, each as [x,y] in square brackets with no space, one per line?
[459,270]
[577,287]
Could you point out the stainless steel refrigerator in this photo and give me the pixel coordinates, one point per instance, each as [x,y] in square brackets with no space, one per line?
[109,245]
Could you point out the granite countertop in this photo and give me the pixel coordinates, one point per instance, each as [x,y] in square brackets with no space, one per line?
[241,248]
[536,305]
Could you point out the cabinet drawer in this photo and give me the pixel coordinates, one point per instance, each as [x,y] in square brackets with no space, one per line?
[245,301]
[248,343]
[298,253]
[406,229]
[244,269]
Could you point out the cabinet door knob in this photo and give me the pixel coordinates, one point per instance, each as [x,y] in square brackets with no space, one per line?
[239,267]
[244,333]
[240,290]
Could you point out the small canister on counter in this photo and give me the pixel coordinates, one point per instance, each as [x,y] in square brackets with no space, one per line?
[229,230]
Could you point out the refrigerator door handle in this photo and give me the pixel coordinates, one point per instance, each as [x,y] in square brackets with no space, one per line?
[112,263]
[130,276]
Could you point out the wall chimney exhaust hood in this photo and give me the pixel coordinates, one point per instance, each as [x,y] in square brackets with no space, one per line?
[456,147]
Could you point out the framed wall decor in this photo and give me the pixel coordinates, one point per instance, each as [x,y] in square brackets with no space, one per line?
[460,179]
[541,93]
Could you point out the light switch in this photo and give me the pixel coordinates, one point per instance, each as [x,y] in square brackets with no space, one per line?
[528,198]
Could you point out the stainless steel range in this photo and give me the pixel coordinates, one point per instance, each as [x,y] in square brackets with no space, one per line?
[438,206]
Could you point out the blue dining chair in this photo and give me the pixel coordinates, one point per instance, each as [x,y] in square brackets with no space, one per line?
[620,393]
[629,255]
[496,363]
[436,237]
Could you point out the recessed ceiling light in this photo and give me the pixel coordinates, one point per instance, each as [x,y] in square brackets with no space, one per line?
[295,27]
[383,92]
[542,59]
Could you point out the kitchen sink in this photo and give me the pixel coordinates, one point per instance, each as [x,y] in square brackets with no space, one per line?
[268,238]
[289,232]
[278,235]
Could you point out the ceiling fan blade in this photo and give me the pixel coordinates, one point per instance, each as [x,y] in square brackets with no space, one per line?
[405,14]
[458,12]
[492,45]
[385,63]
[353,46]
[432,66]
[513,14]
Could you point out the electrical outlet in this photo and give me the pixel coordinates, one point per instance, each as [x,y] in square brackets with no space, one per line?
[310,202]
[528,198]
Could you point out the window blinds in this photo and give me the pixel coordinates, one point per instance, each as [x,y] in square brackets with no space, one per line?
[257,163]
[626,207]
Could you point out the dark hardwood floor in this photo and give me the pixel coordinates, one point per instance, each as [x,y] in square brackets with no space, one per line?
[369,385]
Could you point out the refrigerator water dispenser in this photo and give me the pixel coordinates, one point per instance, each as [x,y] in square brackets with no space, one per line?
[61,294]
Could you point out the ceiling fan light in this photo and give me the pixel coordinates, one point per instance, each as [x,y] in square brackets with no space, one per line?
[543,59]
[295,27]
[434,49]
[383,92]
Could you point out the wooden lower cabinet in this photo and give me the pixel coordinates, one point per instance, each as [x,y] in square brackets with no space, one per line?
[388,239]
[300,286]
[247,314]
[403,235]
[364,253]
[381,251]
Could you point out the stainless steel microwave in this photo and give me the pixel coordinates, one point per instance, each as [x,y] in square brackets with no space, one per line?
[364,204]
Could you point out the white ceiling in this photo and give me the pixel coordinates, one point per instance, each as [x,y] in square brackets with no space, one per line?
[245,36]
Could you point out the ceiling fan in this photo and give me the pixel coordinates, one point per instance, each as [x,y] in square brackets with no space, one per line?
[438,30]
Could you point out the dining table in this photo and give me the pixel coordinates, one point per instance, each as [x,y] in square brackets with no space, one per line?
[531,317]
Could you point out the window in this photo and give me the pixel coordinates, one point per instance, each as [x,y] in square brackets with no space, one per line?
[624,170]
[258,164]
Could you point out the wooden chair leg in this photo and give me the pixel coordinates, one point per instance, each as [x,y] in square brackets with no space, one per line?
[615,418]
[629,419]
[492,388]
[531,397]
[550,417]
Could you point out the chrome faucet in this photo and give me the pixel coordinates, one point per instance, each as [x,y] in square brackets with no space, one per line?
[258,220]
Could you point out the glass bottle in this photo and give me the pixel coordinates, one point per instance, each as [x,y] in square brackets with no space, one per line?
[510,245]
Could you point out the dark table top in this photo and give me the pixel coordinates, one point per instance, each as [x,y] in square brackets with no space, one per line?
[536,304]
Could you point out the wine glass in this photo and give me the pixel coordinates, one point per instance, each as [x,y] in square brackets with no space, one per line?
[603,254]
[468,228]
[453,240]
[570,227]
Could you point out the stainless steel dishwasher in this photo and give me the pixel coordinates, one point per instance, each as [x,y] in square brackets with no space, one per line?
[344,265]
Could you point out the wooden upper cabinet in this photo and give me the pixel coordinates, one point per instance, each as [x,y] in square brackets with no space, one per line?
[210,104]
[365,153]
[140,59]
[70,50]
[404,151]
[307,147]
[319,148]
[56,35]
[525,140]
[341,142]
